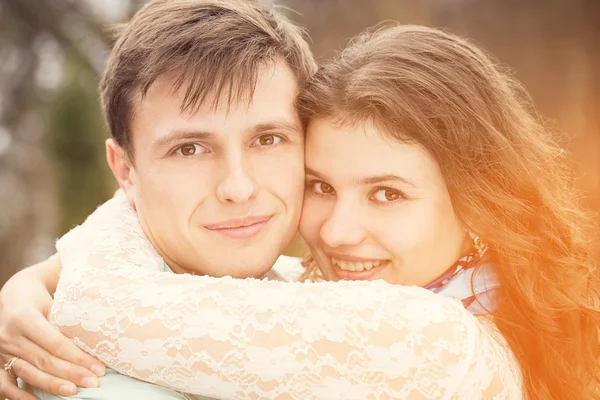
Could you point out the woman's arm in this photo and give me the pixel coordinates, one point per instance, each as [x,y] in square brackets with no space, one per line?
[231,338]
[47,359]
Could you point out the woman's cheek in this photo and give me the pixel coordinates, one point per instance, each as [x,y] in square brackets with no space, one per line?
[312,219]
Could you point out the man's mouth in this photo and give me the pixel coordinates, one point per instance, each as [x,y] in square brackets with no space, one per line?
[240,228]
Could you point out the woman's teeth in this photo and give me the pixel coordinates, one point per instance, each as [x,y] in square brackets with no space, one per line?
[355,265]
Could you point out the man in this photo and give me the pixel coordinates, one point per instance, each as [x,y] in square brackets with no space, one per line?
[208,147]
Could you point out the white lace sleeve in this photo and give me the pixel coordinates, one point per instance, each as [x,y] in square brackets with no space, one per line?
[243,339]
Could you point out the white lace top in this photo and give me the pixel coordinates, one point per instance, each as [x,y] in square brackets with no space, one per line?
[249,338]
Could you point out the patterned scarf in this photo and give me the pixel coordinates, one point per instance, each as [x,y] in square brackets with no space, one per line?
[476,294]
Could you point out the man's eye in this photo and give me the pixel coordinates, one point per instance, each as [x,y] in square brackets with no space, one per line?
[267,140]
[190,149]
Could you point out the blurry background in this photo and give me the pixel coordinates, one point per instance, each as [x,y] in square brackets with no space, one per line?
[52,168]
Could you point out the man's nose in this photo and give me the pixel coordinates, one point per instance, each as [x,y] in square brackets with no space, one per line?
[237,186]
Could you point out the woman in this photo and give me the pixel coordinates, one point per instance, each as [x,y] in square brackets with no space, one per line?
[426,166]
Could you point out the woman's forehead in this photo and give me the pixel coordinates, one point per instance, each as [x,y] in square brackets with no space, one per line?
[358,153]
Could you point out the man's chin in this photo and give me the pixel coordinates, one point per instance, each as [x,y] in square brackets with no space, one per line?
[238,266]
[247,270]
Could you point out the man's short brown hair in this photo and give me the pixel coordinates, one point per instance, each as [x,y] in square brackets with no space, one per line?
[213,48]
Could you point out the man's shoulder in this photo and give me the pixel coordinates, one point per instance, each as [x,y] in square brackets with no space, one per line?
[287,269]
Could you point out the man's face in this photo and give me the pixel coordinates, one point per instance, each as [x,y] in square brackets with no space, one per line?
[219,192]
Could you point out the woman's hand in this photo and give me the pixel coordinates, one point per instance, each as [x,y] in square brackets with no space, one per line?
[46,359]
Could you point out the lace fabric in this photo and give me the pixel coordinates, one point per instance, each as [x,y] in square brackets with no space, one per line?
[240,339]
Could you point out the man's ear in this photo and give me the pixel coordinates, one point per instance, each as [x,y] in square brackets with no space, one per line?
[121,166]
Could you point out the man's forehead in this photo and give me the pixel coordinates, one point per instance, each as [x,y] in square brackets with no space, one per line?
[236,92]
[271,106]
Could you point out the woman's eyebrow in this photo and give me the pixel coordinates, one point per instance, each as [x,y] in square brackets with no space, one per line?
[370,180]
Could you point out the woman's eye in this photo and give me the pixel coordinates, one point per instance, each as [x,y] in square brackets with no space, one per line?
[267,140]
[387,195]
[322,188]
[191,149]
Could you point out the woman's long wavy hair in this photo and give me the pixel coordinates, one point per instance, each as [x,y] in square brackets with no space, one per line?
[509,181]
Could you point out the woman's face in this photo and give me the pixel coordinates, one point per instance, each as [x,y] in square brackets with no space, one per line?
[376,209]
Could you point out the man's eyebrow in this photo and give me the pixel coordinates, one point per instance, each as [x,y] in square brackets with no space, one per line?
[370,180]
[178,136]
[181,135]
[277,125]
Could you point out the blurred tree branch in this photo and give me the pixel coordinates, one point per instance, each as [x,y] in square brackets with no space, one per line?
[58,18]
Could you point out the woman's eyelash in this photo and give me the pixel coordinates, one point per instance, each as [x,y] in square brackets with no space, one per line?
[397,195]
[311,185]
